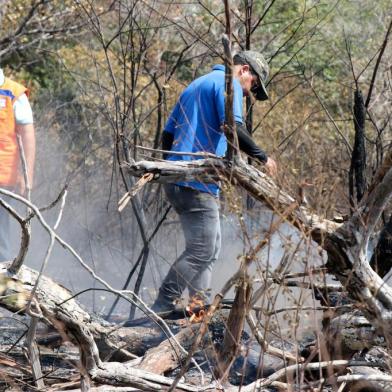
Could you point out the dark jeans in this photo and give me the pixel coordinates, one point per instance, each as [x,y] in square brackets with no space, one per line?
[199,216]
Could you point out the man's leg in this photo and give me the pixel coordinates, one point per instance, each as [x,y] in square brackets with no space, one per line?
[197,288]
[5,218]
[199,216]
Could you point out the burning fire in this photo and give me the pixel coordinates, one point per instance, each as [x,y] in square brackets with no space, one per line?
[196,310]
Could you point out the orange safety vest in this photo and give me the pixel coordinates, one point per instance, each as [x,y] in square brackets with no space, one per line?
[10,91]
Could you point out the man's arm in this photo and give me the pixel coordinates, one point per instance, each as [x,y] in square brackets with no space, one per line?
[247,145]
[27,134]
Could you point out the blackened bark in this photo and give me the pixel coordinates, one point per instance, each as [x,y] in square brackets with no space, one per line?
[139,280]
[358,158]
[381,260]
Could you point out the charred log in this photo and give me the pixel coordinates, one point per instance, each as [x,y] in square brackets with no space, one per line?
[381,260]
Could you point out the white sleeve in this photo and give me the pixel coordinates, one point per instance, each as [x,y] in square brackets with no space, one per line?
[22,111]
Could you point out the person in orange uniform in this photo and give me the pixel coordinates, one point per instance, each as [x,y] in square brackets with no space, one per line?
[16,118]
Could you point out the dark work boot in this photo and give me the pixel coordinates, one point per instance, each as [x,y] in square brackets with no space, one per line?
[160,305]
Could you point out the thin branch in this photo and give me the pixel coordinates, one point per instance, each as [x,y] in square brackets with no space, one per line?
[383,46]
[25,240]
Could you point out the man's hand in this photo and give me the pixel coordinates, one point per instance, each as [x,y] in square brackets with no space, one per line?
[271,167]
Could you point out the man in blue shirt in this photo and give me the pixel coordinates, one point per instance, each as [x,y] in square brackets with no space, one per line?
[195,125]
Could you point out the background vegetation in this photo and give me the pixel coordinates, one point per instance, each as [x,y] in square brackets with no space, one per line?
[104,75]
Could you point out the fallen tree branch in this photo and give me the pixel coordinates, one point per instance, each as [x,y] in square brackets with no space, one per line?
[164,358]
[346,244]
[135,189]
[287,356]
[127,295]
[111,373]
[286,372]
[258,184]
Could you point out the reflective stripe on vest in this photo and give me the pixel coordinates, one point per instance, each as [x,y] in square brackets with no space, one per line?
[9,151]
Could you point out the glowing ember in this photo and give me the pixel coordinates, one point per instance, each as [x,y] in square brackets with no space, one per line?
[195,310]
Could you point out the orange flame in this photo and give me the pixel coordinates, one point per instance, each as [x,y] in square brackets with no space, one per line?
[196,310]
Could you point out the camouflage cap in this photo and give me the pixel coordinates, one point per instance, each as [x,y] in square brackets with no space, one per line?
[260,67]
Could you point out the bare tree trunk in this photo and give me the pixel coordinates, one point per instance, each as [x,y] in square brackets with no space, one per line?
[231,135]
[357,175]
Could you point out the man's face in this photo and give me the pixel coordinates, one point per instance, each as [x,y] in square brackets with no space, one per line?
[247,79]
